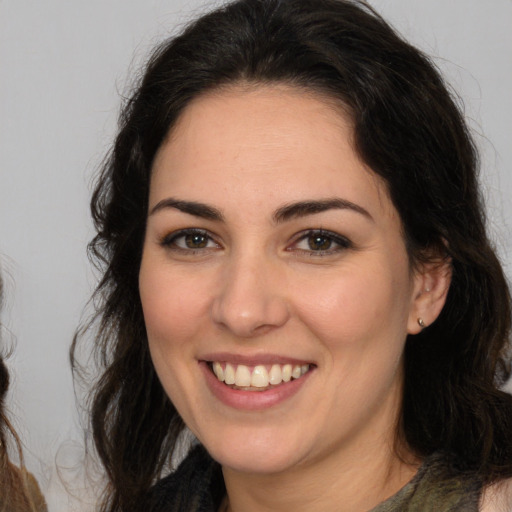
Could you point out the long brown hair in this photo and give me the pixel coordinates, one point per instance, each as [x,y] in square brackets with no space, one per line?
[16,485]
[408,129]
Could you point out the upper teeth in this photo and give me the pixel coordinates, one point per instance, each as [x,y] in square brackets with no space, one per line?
[259,376]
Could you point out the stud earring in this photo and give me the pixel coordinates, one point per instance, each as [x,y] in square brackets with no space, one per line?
[421,323]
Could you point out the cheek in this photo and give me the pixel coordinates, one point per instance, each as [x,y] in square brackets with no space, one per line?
[170,309]
[172,305]
[363,303]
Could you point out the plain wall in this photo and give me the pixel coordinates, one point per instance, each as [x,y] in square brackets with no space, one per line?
[63,66]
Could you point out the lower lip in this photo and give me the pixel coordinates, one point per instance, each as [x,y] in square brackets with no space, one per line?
[252,400]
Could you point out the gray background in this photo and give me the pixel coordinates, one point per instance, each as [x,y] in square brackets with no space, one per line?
[63,66]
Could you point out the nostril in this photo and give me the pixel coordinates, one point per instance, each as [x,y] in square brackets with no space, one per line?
[248,315]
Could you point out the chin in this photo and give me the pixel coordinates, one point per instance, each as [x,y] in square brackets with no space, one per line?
[256,454]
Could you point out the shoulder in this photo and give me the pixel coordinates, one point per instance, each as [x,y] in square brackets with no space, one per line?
[497,497]
[24,492]
[34,492]
[197,480]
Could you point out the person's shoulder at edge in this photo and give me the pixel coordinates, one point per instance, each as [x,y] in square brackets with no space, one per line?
[498,497]
[197,479]
[34,492]
[32,496]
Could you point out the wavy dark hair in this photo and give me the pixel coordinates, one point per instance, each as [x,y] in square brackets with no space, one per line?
[408,128]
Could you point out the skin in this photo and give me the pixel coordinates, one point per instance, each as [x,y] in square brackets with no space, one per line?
[259,287]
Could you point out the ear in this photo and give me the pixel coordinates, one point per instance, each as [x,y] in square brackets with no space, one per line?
[431,284]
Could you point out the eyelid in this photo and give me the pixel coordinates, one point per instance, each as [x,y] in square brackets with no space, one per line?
[168,240]
[342,242]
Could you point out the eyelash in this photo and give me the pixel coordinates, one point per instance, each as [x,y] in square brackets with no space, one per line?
[170,240]
[341,243]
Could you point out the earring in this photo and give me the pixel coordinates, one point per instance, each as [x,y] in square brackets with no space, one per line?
[421,323]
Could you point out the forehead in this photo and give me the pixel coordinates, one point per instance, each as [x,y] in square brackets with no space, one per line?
[276,142]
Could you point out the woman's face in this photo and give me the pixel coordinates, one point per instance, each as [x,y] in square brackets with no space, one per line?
[275,258]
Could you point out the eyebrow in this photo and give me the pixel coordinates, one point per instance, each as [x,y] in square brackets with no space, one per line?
[286,212]
[191,207]
[304,208]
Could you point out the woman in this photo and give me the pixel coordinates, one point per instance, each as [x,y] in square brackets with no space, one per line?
[296,267]
[19,491]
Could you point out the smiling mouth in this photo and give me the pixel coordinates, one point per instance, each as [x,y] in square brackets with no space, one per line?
[259,377]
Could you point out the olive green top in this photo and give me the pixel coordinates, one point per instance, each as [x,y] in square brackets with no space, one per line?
[197,486]
[437,487]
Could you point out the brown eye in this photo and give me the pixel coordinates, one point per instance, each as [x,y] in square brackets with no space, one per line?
[319,242]
[190,240]
[196,241]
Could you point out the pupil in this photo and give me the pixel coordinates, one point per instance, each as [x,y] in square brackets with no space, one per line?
[319,243]
[195,241]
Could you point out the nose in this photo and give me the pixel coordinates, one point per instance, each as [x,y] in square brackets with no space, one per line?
[251,299]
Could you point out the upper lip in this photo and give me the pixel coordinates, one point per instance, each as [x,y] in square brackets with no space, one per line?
[252,360]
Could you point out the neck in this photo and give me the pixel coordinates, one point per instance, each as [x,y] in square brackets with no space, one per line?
[360,480]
